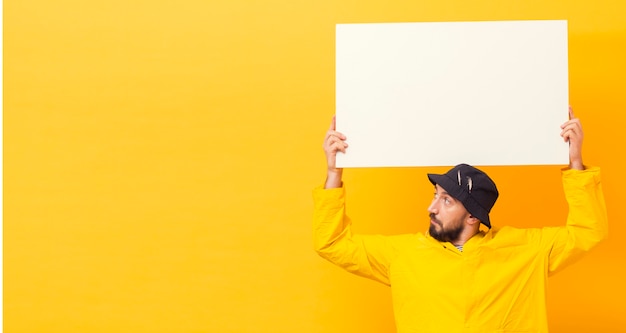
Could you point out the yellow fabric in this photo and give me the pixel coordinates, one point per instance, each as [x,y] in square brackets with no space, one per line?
[498,282]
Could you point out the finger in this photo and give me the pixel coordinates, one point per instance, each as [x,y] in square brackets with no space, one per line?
[332,133]
[334,139]
[574,121]
[571,136]
[339,143]
[570,115]
[330,138]
[339,146]
[566,135]
[333,124]
[570,130]
[573,124]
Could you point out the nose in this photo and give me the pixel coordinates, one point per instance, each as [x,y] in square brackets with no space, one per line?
[433,209]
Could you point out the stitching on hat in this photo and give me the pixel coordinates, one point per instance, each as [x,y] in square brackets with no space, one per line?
[469,183]
[458,175]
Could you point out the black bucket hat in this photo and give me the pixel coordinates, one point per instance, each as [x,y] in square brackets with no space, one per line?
[470,186]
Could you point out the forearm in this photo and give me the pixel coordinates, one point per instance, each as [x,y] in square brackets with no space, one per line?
[327,216]
[587,209]
[333,178]
[587,223]
[363,255]
[577,164]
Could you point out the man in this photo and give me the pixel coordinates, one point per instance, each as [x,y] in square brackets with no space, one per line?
[457,277]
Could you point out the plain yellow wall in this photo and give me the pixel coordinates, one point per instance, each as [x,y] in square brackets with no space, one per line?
[159,158]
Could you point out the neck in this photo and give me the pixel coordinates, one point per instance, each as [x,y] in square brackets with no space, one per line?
[466,235]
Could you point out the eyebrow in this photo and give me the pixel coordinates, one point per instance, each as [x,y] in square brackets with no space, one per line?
[443,192]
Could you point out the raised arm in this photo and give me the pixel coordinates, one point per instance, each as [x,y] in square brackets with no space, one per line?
[365,255]
[587,223]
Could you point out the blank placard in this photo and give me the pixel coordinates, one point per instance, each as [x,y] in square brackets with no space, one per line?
[444,93]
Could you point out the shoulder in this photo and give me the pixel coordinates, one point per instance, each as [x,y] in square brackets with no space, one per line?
[403,242]
[515,236]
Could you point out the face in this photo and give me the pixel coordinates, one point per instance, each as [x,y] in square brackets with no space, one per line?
[447,216]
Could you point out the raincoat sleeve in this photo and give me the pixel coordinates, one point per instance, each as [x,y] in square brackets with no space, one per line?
[365,255]
[587,223]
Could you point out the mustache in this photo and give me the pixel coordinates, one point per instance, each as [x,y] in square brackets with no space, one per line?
[433,218]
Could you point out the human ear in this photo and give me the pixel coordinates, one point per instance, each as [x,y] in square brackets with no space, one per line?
[472,220]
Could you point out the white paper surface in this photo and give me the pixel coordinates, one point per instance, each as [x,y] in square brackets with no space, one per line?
[440,94]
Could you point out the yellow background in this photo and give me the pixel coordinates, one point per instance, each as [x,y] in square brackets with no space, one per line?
[159,158]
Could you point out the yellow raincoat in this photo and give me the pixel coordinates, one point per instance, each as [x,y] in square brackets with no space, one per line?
[498,282]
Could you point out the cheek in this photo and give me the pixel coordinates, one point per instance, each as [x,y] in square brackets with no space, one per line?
[453,215]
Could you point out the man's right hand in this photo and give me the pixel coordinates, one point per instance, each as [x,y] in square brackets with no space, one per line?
[333,142]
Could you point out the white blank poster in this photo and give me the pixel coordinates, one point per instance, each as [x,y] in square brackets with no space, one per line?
[444,93]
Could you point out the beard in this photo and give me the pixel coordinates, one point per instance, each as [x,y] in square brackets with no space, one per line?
[445,234]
